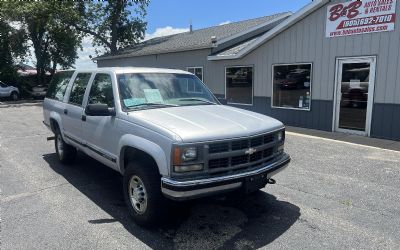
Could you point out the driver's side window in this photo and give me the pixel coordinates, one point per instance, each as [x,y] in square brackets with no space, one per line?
[101,91]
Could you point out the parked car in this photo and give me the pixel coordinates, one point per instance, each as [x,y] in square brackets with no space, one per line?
[167,143]
[39,92]
[296,80]
[7,91]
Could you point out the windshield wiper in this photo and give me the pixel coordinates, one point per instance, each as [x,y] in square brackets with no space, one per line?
[196,99]
[152,104]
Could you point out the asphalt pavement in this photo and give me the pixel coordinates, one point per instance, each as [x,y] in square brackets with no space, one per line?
[334,195]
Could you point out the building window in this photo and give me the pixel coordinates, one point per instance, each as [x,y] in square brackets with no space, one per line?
[292,86]
[192,87]
[197,71]
[239,85]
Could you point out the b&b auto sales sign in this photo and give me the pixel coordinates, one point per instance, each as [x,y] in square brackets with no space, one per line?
[360,17]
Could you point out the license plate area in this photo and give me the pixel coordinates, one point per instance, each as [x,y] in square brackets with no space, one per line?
[255,182]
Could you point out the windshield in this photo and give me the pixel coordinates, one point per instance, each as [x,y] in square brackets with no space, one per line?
[155,90]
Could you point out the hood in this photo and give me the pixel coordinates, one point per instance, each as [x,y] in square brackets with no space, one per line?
[208,122]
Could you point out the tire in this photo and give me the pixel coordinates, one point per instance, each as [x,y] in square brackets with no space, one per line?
[146,204]
[14,96]
[66,153]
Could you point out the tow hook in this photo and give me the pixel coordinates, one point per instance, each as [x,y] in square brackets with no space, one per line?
[50,138]
[271,181]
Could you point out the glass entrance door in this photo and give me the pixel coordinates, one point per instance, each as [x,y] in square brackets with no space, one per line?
[355,88]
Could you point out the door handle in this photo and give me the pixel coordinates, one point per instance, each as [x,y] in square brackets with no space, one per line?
[83,118]
[66,111]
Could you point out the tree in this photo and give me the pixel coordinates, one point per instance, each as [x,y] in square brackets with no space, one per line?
[113,24]
[12,48]
[54,44]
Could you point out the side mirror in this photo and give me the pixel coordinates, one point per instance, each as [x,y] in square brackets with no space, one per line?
[223,101]
[99,110]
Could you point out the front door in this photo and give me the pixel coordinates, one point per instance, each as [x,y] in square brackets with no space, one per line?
[354,94]
[99,131]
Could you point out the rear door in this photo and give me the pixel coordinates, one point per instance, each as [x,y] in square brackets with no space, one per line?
[73,111]
[99,131]
[54,100]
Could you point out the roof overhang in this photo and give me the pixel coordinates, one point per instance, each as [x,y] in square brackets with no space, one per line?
[296,17]
[265,25]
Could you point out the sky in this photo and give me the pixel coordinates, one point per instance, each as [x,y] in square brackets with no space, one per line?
[166,17]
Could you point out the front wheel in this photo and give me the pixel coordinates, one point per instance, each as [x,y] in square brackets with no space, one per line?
[142,193]
[65,153]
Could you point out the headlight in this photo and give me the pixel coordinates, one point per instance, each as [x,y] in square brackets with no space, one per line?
[182,157]
[281,135]
[189,154]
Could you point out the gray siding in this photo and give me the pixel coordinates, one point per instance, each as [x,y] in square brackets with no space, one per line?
[304,42]
[386,121]
[180,60]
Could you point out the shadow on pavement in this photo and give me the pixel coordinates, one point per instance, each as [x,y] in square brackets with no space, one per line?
[220,222]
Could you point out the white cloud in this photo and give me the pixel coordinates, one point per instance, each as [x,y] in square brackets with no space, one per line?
[226,22]
[88,50]
[165,31]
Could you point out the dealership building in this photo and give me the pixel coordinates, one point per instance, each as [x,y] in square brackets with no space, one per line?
[333,65]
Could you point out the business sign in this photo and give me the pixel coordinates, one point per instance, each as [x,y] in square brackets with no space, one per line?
[360,17]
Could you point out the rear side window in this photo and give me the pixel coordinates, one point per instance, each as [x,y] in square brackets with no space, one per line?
[101,91]
[58,85]
[78,88]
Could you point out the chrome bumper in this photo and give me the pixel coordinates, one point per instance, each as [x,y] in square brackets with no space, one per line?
[183,190]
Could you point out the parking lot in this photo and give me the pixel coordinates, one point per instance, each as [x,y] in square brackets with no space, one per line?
[334,195]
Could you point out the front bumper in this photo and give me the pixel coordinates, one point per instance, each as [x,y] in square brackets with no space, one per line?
[184,190]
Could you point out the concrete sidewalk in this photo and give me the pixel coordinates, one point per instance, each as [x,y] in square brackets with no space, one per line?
[348,138]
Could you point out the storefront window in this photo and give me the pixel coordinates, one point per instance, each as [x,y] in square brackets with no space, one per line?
[239,85]
[197,71]
[292,86]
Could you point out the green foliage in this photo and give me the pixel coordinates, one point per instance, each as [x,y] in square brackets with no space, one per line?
[54,44]
[113,24]
[12,48]
[55,30]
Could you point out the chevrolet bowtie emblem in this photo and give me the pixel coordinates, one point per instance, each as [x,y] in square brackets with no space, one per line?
[250,151]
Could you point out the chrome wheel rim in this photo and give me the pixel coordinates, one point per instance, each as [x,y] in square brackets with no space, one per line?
[60,146]
[14,97]
[137,194]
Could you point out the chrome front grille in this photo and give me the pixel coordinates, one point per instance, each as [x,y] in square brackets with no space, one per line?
[235,154]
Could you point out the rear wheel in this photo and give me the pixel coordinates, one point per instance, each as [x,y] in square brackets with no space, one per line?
[142,193]
[65,153]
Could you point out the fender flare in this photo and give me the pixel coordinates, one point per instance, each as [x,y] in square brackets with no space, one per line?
[152,149]
[56,116]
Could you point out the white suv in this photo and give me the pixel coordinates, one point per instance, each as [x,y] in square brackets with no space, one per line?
[165,132]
